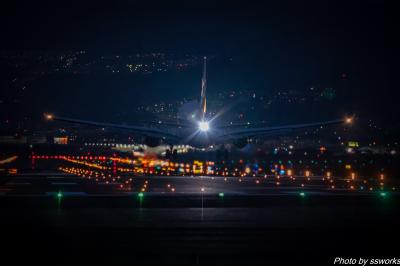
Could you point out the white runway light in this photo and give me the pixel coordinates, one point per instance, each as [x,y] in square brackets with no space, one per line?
[204,126]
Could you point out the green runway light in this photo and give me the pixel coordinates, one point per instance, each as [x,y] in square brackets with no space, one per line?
[383,194]
[59,195]
[302,194]
[140,195]
[221,194]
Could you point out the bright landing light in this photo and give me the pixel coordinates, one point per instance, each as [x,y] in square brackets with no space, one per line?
[204,126]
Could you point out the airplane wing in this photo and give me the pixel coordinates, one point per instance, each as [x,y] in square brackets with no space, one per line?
[246,125]
[179,124]
[264,131]
[136,129]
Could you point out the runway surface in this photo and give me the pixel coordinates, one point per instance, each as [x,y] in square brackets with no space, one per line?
[73,221]
[47,183]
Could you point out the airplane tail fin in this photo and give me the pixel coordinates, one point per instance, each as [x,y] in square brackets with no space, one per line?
[203,100]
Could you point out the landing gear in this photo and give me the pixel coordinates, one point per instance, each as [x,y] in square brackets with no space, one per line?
[168,154]
[222,154]
[171,153]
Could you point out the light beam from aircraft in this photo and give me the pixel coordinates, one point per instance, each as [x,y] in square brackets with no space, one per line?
[204,126]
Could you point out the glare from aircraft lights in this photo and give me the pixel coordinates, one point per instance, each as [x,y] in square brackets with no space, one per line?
[349,120]
[48,116]
[204,126]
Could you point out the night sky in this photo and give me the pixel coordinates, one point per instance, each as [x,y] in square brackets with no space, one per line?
[286,44]
[309,28]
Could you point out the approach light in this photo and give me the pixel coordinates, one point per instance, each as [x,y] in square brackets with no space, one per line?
[204,126]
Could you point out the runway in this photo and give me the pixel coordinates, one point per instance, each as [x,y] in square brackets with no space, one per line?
[50,183]
[80,221]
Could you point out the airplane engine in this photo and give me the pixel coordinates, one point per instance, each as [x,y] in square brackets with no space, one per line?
[152,142]
[240,143]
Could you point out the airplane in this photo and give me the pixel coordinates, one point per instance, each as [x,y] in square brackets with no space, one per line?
[196,129]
